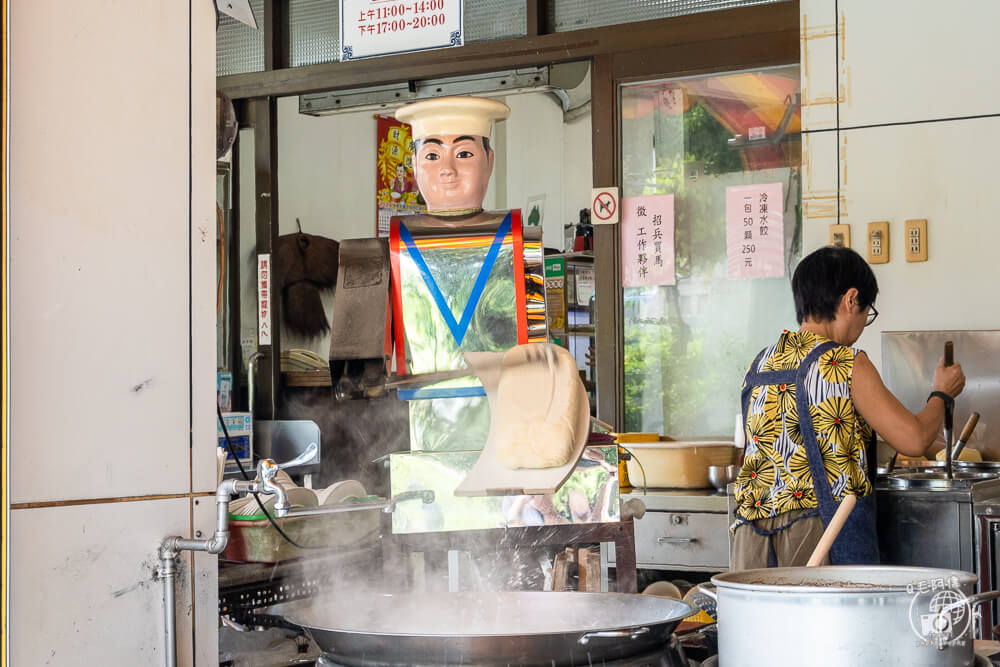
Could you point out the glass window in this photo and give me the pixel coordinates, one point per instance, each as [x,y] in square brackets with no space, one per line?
[314,32]
[239,48]
[489,20]
[688,345]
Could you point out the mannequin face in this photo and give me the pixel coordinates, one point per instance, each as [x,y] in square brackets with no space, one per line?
[453,171]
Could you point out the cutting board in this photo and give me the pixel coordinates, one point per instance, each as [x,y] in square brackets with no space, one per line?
[488,476]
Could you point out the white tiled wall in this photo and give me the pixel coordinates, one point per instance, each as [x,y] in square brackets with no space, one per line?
[910,60]
[83,591]
[819,63]
[99,237]
[112,297]
[897,63]
[942,172]
[819,184]
[203,249]
[206,589]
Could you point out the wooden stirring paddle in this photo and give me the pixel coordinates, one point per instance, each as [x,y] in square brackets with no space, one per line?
[832,530]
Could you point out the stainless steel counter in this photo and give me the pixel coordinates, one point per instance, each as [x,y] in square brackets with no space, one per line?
[957,529]
[683,529]
[931,528]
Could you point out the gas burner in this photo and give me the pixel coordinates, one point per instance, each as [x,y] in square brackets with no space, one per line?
[673,656]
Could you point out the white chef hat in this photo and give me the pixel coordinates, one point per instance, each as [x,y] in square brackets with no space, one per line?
[453,115]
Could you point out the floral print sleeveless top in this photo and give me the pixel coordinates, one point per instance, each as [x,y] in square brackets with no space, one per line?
[775,477]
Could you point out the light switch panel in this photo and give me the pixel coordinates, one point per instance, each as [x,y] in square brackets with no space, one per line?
[915,240]
[878,242]
[840,236]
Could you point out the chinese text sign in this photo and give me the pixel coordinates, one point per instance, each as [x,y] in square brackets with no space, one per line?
[648,240]
[263,300]
[755,244]
[383,27]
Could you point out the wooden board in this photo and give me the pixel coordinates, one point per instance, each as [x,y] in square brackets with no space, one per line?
[317,378]
[491,478]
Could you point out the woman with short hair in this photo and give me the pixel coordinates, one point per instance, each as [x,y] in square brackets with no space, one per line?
[811,406]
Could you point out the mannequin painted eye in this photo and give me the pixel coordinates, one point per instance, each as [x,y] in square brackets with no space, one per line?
[432,156]
[466,154]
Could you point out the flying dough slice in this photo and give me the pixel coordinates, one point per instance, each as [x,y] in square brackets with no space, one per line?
[538,399]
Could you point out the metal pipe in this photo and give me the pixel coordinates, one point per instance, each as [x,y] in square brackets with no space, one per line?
[168,569]
[251,372]
[949,359]
[173,545]
[387,505]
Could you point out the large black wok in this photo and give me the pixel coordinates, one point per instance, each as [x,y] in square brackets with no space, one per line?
[519,628]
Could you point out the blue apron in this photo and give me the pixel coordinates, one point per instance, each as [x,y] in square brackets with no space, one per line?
[857,543]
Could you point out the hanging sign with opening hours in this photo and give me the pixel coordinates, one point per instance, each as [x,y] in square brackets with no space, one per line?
[387,27]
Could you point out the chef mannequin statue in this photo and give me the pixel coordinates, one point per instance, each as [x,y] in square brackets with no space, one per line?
[462,277]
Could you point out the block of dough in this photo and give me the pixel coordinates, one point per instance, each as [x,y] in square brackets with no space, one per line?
[966,455]
[536,407]
[532,426]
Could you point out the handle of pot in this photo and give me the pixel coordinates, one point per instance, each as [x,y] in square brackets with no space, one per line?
[634,633]
[979,598]
[975,600]
[709,590]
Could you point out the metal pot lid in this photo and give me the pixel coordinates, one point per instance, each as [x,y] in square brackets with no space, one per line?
[957,465]
[486,614]
[837,579]
[938,479]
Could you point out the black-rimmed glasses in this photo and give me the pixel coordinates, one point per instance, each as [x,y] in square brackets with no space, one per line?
[872,314]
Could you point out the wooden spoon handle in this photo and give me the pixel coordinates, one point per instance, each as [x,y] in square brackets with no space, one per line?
[832,530]
[970,426]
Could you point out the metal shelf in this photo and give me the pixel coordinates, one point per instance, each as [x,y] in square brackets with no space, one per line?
[584,256]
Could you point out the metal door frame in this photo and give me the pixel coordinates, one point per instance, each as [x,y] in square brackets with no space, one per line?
[609,72]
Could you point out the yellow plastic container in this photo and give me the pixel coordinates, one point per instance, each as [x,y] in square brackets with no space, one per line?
[681,464]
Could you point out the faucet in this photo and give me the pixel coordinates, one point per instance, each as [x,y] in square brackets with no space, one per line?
[267,470]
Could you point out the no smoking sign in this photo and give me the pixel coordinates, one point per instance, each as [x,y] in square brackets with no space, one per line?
[604,206]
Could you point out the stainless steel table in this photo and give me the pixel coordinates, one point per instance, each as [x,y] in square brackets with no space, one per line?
[683,530]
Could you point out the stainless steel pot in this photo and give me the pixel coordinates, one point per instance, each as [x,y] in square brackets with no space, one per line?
[849,615]
[511,628]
